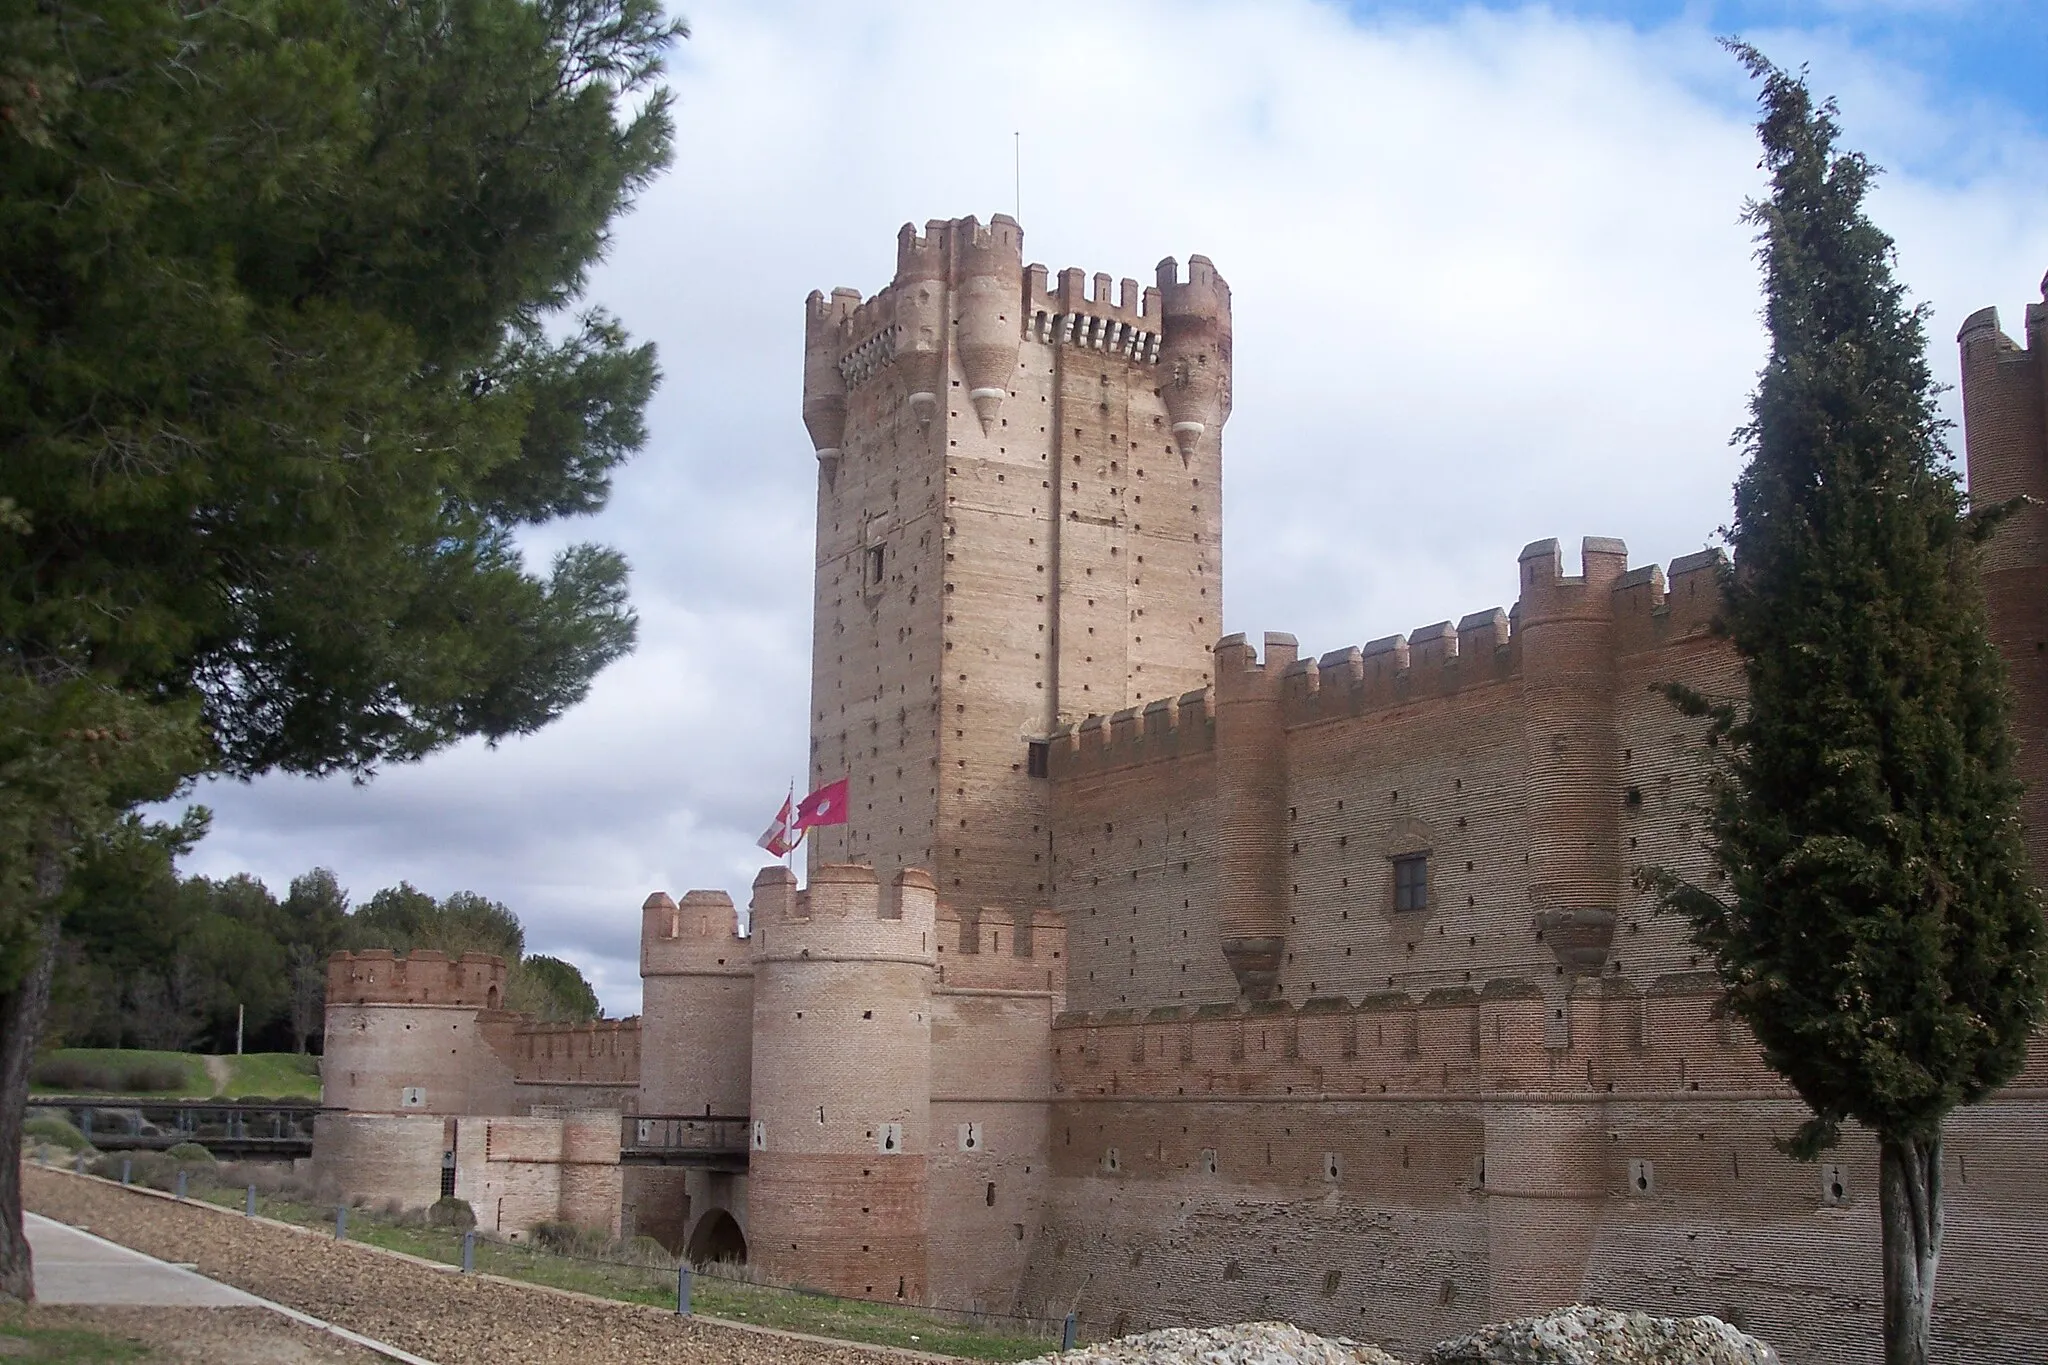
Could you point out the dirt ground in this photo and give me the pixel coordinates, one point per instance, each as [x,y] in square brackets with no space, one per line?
[449,1318]
[194,1336]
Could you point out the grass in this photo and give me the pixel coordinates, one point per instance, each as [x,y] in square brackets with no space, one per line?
[279,1075]
[757,1304]
[61,1345]
[274,1075]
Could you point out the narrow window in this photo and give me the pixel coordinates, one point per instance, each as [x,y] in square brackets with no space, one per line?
[1037,754]
[447,1175]
[874,566]
[1411,882]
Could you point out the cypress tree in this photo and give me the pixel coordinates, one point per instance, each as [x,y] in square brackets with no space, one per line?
[1874,921]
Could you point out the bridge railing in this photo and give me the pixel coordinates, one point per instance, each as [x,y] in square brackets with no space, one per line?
[717,1140]
[125,1123]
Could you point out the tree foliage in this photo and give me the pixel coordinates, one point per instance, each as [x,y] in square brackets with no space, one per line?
[288,360]
[1875,923]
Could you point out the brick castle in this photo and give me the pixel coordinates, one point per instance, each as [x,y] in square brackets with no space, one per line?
[1184,980]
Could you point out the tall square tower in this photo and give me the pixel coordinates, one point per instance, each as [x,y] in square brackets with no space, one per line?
[1020,512]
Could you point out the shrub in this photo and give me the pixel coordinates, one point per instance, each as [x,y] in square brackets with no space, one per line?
[73,1074]
[451,1213]
[144,1077]
[645,1250]
[55,1130]
[553,1235]
[189,1153]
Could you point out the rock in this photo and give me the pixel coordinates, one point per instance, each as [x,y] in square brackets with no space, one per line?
[1583,1335]
[1246,1343]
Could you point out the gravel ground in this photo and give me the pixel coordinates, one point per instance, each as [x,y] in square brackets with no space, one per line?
[203,1336]
[449,1318]
[1247,1343]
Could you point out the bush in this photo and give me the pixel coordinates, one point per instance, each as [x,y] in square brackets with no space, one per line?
[144,1077]
[73,1074]
[189,1154]
[155,1170]
[646,1250]
[55,1130]
[451,1213]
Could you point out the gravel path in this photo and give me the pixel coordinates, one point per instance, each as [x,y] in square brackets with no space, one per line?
[449,1318]
[202,1336]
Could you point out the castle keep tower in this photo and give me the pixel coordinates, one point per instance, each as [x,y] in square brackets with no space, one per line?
[1019,525]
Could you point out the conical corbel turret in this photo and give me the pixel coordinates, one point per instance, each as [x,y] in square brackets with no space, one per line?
[920,289]
[1194,354]
[988,269]
[824,386]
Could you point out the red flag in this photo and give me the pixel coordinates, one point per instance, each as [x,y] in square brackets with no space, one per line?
[825,806]
[778,838]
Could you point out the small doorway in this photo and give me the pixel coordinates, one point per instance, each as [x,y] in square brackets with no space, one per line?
[717,1238]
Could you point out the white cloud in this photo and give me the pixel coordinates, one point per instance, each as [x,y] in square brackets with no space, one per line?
[1490,286]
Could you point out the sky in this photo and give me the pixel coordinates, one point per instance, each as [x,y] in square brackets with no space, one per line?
[1490,285]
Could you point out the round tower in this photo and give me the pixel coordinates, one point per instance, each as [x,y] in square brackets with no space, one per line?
[824,385]
[1573,789]
[1194,351]
[920,290]
[2005,430]
[1251,784]
[403,1034]
[697,1006]
[988,270]
[842,1079]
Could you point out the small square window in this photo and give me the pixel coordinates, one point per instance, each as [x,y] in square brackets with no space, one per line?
[1411,882]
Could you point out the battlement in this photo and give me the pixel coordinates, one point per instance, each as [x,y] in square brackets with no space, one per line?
[1502,1037]
[379,976]
[1982,337]
[1651,608]
[699,937]
[846,911]
[602,1052]
[990,948]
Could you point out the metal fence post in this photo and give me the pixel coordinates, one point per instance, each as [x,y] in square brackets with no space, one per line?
[181,1185]
[468,1251]
[1068,1331]
[683,1289]
[126,1165]
[250,1207]
[78,1163]
[341,1222]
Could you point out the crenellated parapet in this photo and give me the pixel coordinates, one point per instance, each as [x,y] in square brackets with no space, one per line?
[598,1052]
[1488,1040]
[845,913]
[993,948]
[1164,729]
[379,976]
[700,937]
[964,272]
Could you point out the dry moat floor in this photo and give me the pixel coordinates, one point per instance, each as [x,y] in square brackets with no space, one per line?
[448,1318]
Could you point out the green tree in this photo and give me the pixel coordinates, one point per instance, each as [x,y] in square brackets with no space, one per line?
[1875,925]
[403,918]
[285,367]
[316,919]
[551,990]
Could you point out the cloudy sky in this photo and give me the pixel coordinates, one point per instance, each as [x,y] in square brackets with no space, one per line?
[1490,286]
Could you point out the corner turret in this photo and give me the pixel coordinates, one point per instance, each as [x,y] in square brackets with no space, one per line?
[988,266]
[1251,784]
[824,386]
[1195,351]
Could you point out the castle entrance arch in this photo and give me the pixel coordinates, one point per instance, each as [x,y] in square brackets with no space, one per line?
[717,1237]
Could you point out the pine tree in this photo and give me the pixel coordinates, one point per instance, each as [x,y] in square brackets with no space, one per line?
[1876,925]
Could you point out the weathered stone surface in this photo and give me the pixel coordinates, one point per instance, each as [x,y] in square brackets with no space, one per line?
[1246,1343]
[1583,1335]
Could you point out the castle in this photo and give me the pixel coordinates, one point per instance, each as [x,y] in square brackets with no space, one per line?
[1184,980]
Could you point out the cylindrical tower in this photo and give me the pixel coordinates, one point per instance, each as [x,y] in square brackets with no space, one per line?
[697,1007]
[824,386]
[1544,1193]
[988,270]
[1569,775]
[1194,352]
[403,1035]
[1251,794]
[920,290]
[2005,429]
[842,1079]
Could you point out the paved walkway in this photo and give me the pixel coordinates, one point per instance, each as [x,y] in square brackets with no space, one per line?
[77,1268]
